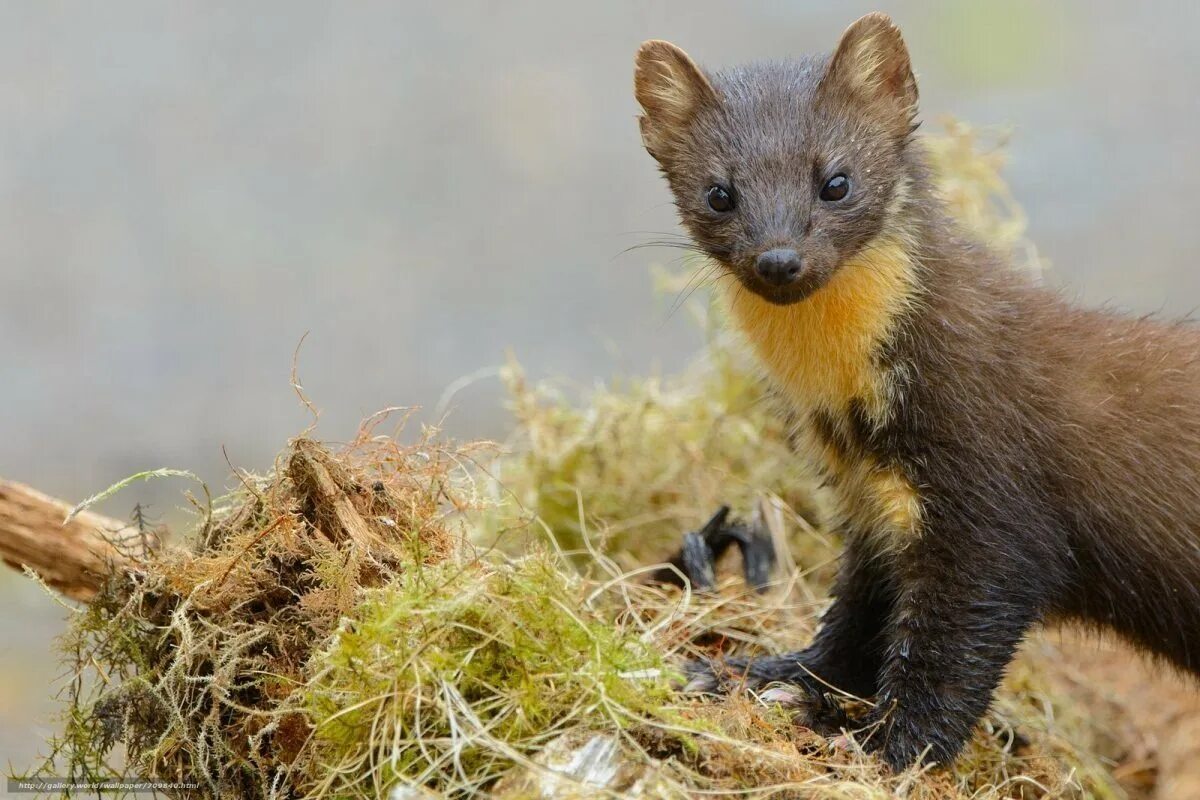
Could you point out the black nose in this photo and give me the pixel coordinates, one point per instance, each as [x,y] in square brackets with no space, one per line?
[779,267]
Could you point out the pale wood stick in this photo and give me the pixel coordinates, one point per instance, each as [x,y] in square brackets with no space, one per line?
[74,558]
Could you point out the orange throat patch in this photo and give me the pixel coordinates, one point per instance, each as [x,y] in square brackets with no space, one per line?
[821,352]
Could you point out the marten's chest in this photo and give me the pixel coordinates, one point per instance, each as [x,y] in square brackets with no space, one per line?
[825,354]
[870,493]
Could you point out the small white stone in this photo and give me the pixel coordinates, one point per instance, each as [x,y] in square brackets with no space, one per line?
[780,695]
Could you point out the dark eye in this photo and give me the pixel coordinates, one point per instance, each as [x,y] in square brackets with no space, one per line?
[719,199]
[835,188]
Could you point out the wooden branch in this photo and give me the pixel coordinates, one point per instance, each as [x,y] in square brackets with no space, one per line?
[74,558]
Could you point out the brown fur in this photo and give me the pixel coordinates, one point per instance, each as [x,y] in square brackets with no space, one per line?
[1002,457]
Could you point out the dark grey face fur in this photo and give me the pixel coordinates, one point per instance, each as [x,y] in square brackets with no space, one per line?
[772,137]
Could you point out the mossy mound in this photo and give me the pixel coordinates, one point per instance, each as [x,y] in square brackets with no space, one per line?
[192,661]
[400,621]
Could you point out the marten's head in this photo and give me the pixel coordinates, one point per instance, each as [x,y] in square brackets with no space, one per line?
[783,172]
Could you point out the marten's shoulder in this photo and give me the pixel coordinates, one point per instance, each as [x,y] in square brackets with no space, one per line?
[986,324]
[996,372]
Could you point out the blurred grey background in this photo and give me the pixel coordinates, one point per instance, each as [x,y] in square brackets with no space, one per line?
[187,188]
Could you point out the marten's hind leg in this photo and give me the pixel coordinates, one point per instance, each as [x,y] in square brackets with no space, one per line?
[845,657]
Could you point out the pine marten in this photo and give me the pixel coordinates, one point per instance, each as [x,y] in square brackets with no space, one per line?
[1000,456]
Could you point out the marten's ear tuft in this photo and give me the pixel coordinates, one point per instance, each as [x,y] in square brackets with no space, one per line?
[670,88]
[871,62]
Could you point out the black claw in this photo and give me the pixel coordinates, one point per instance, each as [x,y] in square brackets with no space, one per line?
[758,557]
[716,523]
[697,559]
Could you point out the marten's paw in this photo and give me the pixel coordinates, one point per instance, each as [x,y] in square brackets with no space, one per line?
[696,559]
[775,679]
[901,738]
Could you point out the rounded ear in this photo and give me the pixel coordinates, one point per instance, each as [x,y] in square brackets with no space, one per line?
[871,63]
[670,88]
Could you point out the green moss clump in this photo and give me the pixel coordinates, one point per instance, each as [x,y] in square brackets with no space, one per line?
[448,676]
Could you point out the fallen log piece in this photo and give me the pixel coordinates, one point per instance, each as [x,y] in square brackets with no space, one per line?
[73,558]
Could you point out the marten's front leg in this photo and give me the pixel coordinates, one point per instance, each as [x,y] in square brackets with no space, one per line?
[847,652]
[961,610]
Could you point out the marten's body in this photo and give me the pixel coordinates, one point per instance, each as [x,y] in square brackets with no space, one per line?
[1000,456]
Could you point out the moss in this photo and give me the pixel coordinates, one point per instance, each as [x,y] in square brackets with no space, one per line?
[448,675]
